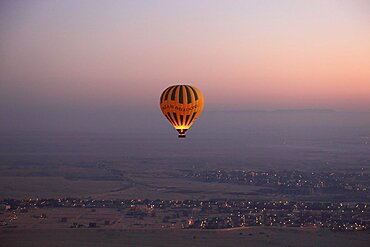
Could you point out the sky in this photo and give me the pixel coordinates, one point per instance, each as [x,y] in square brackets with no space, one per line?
[69,58]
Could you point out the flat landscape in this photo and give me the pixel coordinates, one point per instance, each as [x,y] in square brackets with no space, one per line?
[153,238]
[135,190]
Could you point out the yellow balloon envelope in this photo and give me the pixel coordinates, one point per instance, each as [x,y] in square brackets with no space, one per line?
[181,105]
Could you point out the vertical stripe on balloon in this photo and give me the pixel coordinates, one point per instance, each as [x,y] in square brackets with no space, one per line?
[192,117]
[187,119]
[188,94]
[168,92]
[169,115]
[175,117]
[173,95]
[168,119]
[181,96]
[195,93]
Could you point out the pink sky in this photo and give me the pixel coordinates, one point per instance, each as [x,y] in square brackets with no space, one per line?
[240,54]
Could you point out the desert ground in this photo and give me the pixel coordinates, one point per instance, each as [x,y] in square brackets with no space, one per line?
[161,238]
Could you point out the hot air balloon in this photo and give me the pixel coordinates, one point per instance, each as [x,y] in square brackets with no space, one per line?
[181,105]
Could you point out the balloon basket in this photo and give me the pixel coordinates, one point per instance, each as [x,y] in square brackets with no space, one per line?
[182,133]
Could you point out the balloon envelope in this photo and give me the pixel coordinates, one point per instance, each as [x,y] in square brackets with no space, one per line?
[181,105]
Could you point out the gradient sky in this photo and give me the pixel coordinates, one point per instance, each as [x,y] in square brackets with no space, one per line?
[99,55]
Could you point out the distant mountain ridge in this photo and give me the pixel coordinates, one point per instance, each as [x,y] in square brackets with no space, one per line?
[306,110]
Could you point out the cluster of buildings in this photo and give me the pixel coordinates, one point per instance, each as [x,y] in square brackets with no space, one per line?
[219,213]
[289,182]
[337,217]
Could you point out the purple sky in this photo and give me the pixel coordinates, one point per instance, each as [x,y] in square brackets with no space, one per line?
[98,56]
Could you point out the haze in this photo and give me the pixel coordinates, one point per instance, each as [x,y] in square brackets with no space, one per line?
[66,65]
[280,152]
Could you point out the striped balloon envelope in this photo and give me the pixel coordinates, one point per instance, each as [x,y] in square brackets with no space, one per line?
[181,105]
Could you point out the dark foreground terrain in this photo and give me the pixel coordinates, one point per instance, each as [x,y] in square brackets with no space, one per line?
[236,237]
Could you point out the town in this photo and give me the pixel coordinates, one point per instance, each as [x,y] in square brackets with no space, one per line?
[292,181]
[201,214]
